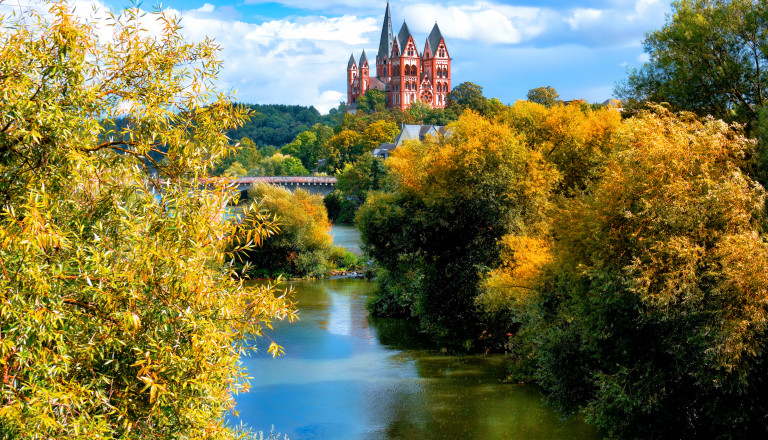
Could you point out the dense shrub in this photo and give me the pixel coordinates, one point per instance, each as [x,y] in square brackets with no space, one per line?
[303,243]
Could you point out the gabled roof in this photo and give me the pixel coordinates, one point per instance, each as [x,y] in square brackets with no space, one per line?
[387,37]
[418,132]
[403,36]
[351,63]
[363,59]
[434,38]
[396,45]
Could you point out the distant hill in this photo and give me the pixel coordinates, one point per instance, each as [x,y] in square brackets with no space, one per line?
[278,124]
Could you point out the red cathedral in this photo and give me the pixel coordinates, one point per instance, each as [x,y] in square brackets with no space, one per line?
[401,73]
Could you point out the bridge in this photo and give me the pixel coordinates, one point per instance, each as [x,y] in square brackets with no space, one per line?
[316,185]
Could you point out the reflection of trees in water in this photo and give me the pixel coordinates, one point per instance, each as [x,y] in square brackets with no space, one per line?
[463,396]
[399,334]
[394,384]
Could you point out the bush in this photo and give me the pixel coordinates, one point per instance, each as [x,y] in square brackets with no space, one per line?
[344,259]
[302,246]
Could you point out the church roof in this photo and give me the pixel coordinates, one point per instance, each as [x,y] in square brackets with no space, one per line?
[375,83]
[403,36]
[387,37]
[434,38]
[363,59]
[351,63]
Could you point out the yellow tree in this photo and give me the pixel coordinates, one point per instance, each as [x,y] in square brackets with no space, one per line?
[575,140]
[438,230]
[120,315]
[654,311]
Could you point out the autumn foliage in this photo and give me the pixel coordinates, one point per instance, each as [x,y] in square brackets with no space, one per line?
[120,313]
[622,263]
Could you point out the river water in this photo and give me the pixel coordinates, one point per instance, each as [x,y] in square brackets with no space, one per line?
[346,236]
[346,375]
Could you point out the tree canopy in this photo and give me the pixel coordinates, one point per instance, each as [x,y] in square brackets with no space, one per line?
[653,311]
[547,96]
[709,58]
[120,315]
[435,231]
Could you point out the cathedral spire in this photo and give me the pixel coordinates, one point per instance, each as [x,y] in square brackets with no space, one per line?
[387,37]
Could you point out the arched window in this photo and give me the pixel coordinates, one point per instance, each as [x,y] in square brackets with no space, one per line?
[445,72]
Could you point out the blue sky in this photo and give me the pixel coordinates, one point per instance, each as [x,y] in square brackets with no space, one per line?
[296,51]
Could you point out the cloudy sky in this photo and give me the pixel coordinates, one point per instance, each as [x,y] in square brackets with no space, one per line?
[296,51]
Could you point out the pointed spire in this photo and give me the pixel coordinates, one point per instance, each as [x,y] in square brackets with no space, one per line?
[351,64]
[387,37]
[434,39]
[403,36]
[363,59]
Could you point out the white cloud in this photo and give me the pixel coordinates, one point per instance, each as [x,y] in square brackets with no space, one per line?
[581,17]
[347,29]
[300,61]
[643,8]
[207,7]
[643,58]
[480,21]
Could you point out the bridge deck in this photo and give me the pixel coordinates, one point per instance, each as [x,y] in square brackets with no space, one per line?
[294,180]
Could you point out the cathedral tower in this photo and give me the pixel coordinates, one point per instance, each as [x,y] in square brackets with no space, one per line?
[352,80]
[385,48]
[402,73]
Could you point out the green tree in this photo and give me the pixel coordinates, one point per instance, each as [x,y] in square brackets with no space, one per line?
[375,134]
[280,165]
[467,95]
[417,113]
[236,170]
[372,101]
[310,146]
[120,317]
[343,148]
[546,96]
[709,58]
[366,174]
[245,153]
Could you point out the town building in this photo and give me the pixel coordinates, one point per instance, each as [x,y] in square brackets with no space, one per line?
[404,75]
[410,132]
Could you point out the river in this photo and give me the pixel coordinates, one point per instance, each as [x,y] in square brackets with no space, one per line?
[346,375]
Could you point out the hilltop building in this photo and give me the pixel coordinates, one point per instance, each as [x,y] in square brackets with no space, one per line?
[404,75]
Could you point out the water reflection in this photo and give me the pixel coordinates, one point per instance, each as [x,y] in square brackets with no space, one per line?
[347,376]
